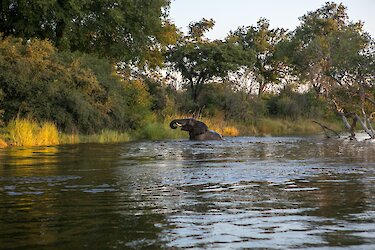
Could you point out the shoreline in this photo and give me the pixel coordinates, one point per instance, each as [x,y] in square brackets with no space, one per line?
[160,131]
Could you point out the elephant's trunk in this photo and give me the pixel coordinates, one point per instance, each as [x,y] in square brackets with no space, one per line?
[175,123]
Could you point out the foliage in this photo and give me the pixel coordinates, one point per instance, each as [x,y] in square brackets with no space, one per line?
[53,72]
[267,69]
[337,58]
[199,60]
[79,92]
[162,98]
[122,30]
[294,105]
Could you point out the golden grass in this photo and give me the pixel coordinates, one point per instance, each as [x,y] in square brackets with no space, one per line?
[48,134]
[3,144]
[230,131]
[25,132]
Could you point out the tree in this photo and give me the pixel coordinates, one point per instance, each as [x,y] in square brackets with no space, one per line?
[121,30]
[336,57]
[200,60]
[263,40]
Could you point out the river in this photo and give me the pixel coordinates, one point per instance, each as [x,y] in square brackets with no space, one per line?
[245,192]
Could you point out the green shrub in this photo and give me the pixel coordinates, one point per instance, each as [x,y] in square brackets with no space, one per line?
[78,92]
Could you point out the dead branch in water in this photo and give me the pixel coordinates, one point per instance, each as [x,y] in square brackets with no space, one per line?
[325,128]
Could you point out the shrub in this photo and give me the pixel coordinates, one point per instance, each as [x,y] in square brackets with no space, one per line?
[76,91]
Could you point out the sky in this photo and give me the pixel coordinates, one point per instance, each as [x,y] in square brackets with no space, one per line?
[231,14]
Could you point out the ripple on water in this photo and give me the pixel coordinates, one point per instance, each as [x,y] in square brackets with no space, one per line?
[266,193]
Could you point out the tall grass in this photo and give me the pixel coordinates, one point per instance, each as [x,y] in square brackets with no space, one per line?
[105,136]
[158,131]
[278,126]
[3,144]
[26,132]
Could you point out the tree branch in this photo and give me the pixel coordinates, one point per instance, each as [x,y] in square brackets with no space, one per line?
[325,128]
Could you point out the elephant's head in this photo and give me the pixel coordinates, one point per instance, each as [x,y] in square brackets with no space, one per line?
[197,129]
[191,125]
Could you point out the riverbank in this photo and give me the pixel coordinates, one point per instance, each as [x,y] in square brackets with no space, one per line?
[24,132]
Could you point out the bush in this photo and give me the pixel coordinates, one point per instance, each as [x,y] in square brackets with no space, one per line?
[291,104]
[78,92]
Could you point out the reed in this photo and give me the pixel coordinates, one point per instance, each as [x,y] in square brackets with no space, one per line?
[72,138]
[111,136]
[26,132]
[105,136]
[47,134]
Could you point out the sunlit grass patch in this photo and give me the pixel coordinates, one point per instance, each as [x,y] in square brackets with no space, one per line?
[26,132]
[47,134]
[3,144]
[230,131]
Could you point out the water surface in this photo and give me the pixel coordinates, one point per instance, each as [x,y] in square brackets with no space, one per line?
[250,192]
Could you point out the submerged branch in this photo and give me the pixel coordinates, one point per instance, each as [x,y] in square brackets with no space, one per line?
[325,128]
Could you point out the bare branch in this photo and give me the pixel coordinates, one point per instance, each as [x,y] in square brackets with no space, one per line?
[325,128]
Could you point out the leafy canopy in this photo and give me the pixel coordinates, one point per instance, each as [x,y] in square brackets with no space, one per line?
[200,60]
[267,69]
[121,30]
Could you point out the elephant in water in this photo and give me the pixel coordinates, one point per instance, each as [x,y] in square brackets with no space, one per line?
[197,130]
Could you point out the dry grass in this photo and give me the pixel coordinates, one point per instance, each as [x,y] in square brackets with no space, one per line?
[3,144]
[26,132]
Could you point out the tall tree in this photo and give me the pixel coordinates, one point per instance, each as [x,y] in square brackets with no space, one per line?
[122,30]
[336,57]
[200,60]
[267,69]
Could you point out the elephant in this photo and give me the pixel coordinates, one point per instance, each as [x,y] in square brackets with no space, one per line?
[198,131]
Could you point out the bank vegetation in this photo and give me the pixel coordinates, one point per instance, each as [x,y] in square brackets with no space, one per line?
[93,72]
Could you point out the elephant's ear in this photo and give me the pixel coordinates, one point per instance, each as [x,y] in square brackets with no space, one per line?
[199,128]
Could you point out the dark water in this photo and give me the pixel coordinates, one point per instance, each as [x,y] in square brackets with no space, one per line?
[257,193]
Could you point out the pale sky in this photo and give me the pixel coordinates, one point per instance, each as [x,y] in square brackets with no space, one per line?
[230,14]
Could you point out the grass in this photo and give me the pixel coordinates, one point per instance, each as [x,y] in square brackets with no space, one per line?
[158,131]
[3,144]
[105,136]
[26,132]
[279,126]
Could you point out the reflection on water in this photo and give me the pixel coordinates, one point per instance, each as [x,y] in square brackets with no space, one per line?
[274,193]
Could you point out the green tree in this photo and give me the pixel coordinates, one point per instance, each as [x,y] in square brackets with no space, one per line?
[335,57]
[122,30]
[267,69]
[200,60]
